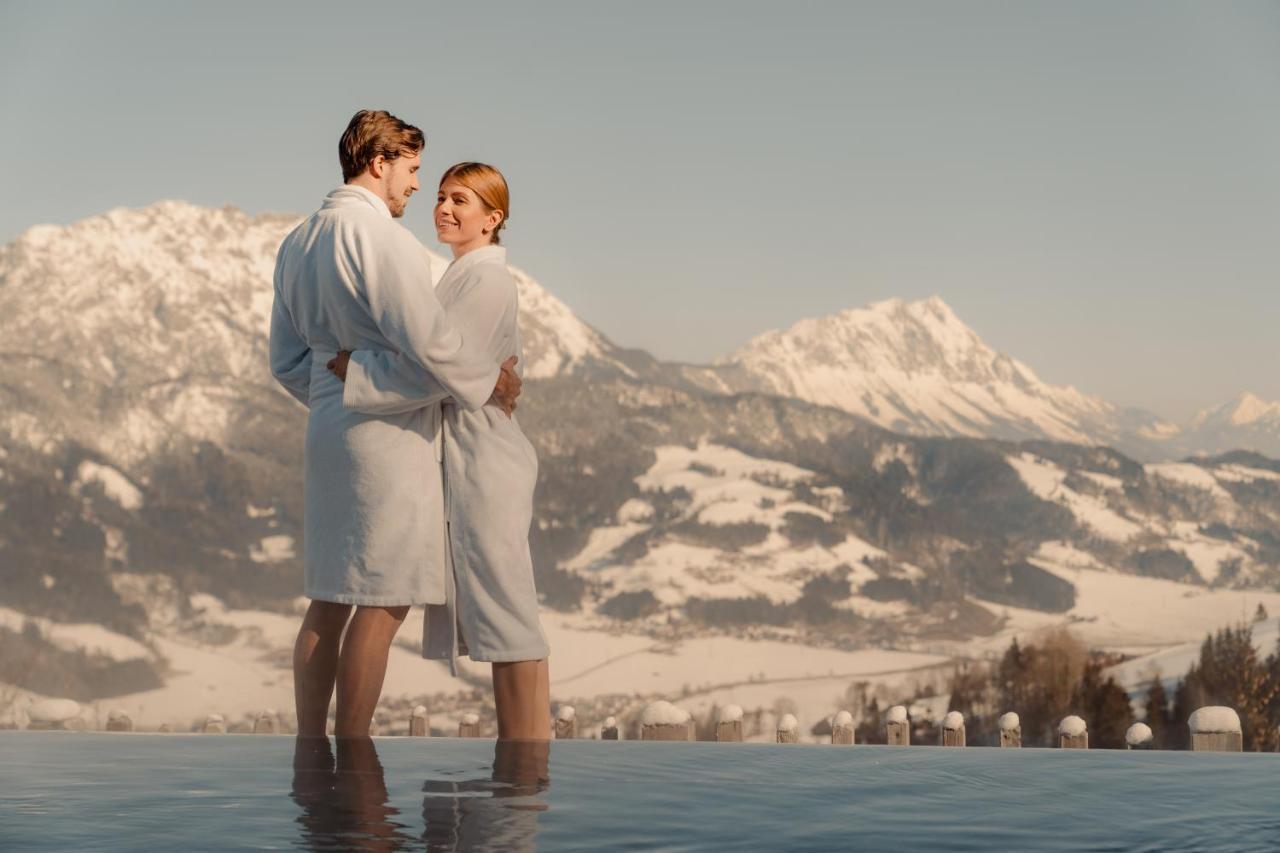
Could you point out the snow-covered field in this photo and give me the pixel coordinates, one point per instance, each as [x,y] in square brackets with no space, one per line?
[1160,621]
[1127,613]
[252,672]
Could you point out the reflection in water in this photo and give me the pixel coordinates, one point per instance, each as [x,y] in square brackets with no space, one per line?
[345,803]
[495,813]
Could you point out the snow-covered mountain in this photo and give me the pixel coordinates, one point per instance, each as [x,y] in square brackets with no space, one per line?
[139,326]
[1246,423]
[915,367]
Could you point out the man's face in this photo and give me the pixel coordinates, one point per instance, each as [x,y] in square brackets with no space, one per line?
[401,181]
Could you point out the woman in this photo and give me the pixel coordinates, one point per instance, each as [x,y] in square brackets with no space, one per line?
[491,610]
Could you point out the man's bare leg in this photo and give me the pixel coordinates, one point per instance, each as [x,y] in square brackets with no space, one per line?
[315,664]
[362,665]
[522,696]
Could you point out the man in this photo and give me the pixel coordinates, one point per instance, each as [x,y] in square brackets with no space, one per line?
[351,278]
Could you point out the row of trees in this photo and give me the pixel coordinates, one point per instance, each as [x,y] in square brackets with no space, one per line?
[1058,675]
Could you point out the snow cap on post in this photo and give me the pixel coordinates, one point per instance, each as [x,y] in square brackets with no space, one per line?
[1071,726]
[730,713]
[896,714]
[566,713]
[843,718]
[1214,719]
[54,711]
[953,720]
[663,713]
[1139,734]
[661,720]
[1009,721]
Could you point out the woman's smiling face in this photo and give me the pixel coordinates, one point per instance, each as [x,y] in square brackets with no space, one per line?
[461,217]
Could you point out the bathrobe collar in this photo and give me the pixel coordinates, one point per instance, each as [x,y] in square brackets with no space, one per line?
[350,194]
[482,255]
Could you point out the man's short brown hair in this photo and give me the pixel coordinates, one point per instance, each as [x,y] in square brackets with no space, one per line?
[371,133]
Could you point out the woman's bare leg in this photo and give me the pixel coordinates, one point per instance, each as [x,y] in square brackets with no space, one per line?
[362,666]
[522,695]
[315,664]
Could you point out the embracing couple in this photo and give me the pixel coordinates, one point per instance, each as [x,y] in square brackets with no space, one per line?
[419,482]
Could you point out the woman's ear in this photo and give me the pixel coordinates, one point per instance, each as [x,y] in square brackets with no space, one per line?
[494,220]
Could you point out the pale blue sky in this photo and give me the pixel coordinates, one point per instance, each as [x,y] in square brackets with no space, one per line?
[1093,186]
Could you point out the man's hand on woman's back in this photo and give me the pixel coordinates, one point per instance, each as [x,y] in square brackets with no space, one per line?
[508,387]
[338,364]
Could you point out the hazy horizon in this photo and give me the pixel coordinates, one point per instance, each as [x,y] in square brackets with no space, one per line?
[1087,186]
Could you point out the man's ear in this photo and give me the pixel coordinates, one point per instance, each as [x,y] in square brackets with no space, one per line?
[378,166]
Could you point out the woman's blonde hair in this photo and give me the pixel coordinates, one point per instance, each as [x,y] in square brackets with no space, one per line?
[488,185]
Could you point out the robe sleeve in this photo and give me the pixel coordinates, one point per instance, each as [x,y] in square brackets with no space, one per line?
[403,305]
[289,354]
[387,383]
[382,383]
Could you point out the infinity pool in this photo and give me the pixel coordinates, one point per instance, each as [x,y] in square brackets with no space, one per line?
[79,791]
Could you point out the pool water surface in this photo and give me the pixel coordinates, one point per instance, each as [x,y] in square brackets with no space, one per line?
[83,791]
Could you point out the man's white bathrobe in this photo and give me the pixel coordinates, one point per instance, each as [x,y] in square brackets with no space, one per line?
[490,473]
[350,277]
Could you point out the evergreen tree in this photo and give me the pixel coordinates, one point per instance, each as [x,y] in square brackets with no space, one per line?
[1157,713]
[1179,736]
[1104,706]
[870,728]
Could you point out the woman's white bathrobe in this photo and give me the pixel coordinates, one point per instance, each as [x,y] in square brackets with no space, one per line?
[490,472]
[350,277]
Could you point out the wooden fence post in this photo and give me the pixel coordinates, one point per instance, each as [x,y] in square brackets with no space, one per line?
[214,724]
[419,722]
[788,729]
[566,723]
[1072,733]
[1215,729]
[469,725]
[1138,736]
[729,725]
[953,729]
[897,727]
[609,731]
[265,724]
[1010,731]
[663,721]
[842,729]
[118,721]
